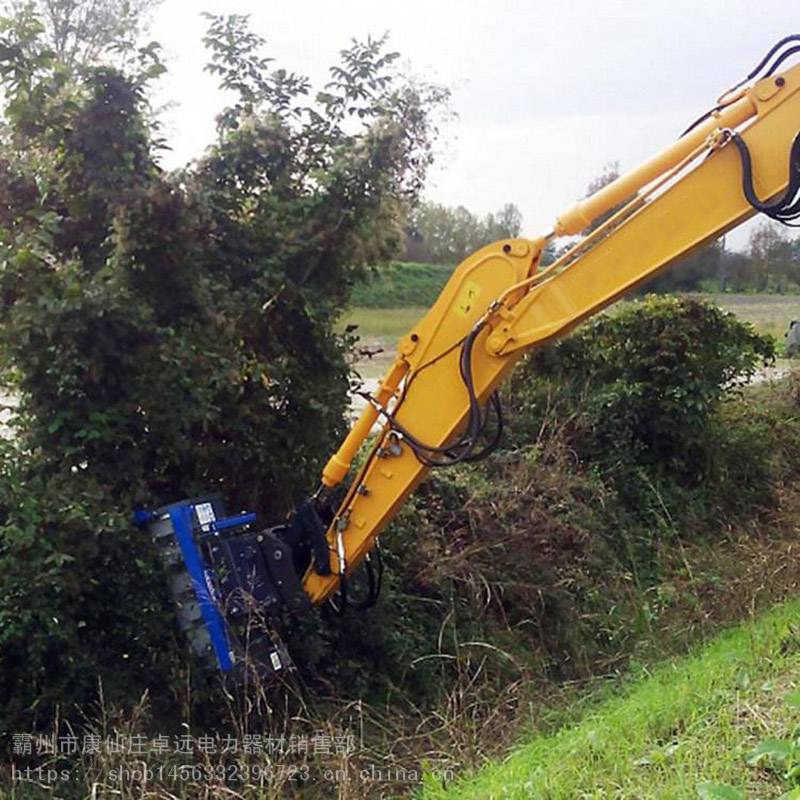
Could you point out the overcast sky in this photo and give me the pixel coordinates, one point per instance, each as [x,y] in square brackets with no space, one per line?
[546,93]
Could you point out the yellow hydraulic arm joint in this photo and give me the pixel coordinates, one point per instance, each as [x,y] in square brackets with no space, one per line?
[500,302]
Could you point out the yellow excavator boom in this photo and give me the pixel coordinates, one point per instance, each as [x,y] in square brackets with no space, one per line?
[434,401]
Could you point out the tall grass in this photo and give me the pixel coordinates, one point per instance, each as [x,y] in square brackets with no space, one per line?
[768,313]
[689,721]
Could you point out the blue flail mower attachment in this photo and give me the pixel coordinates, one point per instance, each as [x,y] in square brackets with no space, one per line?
[230,582]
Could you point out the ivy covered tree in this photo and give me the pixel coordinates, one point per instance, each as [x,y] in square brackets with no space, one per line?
[169,334]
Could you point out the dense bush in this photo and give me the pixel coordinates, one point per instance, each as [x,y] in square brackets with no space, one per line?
[171,334]
[174,334]
[642,391]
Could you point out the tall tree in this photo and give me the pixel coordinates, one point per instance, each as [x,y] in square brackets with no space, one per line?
[771,256]
[82,33]
[172,334]
[439,234]
[608,175]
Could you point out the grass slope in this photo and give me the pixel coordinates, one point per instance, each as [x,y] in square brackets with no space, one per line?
[383,323]
[386,309]
[767,313]
[401,284]
[690,721]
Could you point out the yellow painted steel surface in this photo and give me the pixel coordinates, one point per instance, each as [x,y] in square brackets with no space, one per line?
[425,382]
[436,404]
[584,212]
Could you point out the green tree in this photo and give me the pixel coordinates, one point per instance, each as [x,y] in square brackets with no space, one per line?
[768,266]
[83,33]
[702,268]
[608,175]
[172,334]
[771,256]
[438,234]
[506,223]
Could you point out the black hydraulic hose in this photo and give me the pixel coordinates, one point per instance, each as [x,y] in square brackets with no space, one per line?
[787,207]
[794,37]
[374,574]
[783,56]
[464,449]
[701,118]
[754,73]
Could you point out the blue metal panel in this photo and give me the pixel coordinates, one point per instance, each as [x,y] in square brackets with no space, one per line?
[240,520]
[181,517]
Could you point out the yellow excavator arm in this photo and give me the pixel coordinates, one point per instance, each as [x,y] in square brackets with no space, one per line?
[438,404]
[435,401]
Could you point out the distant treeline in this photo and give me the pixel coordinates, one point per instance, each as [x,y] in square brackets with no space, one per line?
[770,264]
[437,234]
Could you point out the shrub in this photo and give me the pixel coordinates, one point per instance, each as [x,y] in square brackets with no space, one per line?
[629,431]
[643,387]
[401,284]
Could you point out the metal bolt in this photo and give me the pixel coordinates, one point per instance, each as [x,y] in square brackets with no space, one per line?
[343,521]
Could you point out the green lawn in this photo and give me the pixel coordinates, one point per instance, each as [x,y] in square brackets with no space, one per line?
[380,329]
[403,283]
[384,324]
[691,721]
[769,313]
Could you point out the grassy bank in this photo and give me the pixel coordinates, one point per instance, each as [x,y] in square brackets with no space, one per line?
[383,323]
[769,314]
[389,303]
[400,284]
[381,326]
[379,330]
[690,722]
